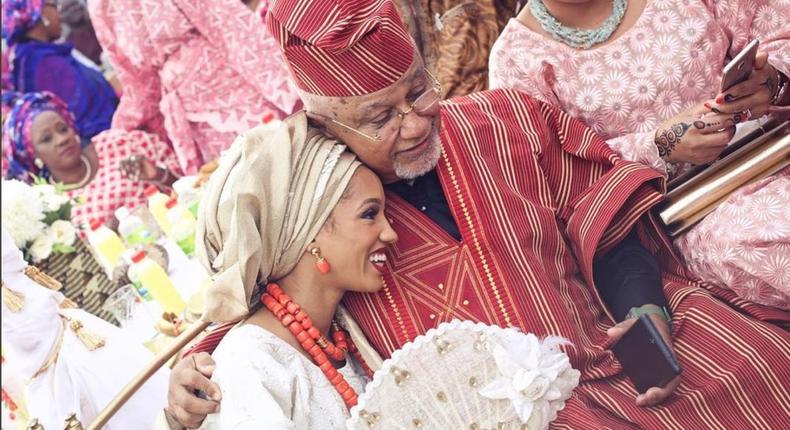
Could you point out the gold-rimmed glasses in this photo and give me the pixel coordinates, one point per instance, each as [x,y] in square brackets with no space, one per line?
[422,104]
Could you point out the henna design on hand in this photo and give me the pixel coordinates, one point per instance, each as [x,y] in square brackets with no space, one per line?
[666,140]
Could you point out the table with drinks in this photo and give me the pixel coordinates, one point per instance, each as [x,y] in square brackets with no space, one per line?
[157,301]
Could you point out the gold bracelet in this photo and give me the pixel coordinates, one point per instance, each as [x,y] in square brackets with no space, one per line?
[782,82]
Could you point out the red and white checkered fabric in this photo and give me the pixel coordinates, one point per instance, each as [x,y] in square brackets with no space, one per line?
[109,189]
[342,47]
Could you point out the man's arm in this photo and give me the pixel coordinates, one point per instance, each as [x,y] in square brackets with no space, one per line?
[628,276]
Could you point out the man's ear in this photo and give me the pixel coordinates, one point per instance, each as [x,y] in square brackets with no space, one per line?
[320,121]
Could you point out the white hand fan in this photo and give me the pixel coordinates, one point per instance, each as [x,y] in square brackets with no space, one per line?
[463,375]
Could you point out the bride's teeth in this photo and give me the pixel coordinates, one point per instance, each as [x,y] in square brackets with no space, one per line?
[378,258]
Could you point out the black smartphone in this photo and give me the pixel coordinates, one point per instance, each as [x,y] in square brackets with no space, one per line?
[646,358]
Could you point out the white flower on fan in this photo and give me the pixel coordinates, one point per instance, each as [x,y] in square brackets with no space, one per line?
[535,376]
[22,216]
[62,232]
[51,200]
[41,248]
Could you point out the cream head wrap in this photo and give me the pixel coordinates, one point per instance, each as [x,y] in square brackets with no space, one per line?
[267,200]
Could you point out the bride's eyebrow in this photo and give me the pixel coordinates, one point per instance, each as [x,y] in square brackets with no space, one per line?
[370,200]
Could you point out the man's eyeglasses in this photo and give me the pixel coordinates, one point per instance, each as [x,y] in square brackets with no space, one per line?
[421,105]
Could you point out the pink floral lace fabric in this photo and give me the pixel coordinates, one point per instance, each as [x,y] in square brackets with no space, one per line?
[196,72]
[670,60]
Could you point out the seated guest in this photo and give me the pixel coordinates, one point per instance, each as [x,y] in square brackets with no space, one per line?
[647,79]
[30,28]
[197,73]
[39,139]
[455,38]
[73,362]
[79,30]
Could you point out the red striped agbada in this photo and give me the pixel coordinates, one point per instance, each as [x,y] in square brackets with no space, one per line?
[535,193]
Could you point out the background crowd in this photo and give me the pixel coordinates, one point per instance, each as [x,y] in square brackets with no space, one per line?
[106,98]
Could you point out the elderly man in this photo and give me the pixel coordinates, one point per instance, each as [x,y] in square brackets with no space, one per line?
[502,205]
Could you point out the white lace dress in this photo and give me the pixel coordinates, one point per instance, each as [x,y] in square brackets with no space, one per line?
[267,384]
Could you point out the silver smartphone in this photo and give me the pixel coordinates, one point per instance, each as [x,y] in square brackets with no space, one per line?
[739,69]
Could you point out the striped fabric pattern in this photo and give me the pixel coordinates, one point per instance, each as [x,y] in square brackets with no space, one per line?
[536,194]
[341,48]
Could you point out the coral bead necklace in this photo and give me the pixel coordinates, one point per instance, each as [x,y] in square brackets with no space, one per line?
[320,349]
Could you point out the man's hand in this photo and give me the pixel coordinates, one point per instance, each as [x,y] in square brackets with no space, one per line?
[654,395]
[190,374]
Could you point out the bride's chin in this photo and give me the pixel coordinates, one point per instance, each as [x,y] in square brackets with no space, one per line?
[373,286]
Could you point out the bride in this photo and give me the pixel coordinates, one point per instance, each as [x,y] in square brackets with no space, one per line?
[290,222]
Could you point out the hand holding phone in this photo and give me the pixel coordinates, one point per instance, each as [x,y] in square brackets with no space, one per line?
[740,68]
[647,360]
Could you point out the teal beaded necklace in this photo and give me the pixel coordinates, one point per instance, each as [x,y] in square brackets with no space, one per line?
[574,37]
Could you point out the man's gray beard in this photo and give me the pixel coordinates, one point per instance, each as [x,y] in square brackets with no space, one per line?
[422,163]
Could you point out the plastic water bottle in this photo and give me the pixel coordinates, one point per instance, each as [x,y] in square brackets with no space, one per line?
[106,244]
[188,195]
[156,204]
[135,280]
[183,226]
[132,228]
[155,281]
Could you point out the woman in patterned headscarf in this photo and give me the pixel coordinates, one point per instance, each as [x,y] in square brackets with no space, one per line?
[36,63]
[39,139]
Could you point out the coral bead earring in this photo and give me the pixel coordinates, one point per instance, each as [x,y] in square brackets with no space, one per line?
[320,262]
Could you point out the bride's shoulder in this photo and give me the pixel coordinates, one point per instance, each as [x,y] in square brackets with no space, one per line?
[253,346]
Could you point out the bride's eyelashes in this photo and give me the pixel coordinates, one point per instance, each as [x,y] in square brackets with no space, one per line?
[370,212]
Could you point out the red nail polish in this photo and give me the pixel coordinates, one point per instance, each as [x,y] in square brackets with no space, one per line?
[720,99]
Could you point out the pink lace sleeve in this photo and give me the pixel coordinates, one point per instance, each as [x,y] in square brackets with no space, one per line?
[639,147]
[509,67]
[122,33]
[766,20]
[252,52]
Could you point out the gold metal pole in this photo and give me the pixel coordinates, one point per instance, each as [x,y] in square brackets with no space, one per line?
[146,373]
[693,200]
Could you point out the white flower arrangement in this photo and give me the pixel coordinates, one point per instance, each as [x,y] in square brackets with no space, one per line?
[535,376]
[38,218]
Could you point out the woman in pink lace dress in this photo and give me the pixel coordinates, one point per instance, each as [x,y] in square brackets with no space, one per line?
[196,72]
[658,68]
